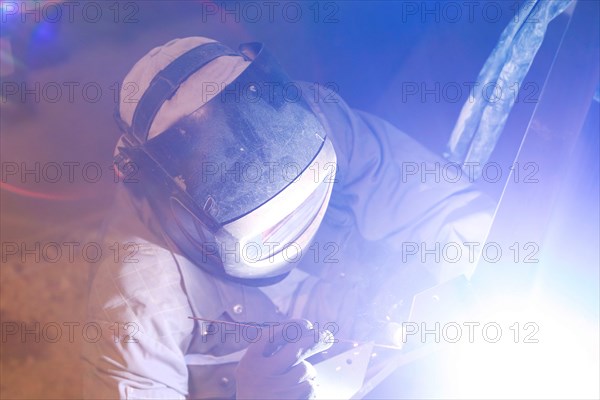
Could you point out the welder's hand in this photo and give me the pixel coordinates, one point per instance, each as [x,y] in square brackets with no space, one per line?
[274,366]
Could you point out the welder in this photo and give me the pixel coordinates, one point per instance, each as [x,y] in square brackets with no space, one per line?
[251,203]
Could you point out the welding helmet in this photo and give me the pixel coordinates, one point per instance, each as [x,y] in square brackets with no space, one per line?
[241,178]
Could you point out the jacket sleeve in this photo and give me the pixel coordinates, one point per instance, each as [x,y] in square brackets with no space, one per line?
[137,323]
[405,197]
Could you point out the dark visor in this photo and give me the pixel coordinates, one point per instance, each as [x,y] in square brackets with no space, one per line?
[245,145]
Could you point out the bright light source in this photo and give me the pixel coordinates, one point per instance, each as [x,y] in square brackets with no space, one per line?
[555,356]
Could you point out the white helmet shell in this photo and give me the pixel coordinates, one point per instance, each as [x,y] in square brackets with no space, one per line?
[191,94]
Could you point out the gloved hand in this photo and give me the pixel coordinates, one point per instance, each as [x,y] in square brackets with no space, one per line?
[274,367]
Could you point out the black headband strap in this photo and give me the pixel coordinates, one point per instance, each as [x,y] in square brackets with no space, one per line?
[164,85]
